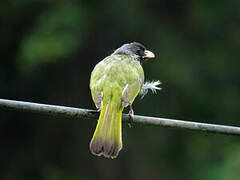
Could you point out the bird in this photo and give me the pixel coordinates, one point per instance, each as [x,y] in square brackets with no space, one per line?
[114,83]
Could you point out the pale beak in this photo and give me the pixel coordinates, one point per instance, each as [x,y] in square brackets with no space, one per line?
[148,54]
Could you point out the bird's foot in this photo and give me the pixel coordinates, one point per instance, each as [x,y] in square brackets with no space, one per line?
[99,110]
[131,115]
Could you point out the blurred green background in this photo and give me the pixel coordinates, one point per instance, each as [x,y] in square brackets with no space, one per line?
[48,50]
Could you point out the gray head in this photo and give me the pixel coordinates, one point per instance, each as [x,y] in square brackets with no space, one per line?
[135,50]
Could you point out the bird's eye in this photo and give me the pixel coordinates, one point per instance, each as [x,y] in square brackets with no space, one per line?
[140,52]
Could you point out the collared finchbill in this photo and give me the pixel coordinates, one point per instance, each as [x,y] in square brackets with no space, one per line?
[115,82]
[148,54]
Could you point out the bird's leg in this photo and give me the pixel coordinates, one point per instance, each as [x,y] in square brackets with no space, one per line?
[131,112]
[99,108]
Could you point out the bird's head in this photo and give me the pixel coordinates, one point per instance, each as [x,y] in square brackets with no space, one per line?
[135,50]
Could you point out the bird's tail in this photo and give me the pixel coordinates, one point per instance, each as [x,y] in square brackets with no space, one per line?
[107,138]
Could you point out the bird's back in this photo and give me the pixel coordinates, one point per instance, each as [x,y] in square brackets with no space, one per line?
[111,75]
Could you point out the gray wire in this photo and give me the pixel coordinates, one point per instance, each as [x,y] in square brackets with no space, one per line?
[79,113]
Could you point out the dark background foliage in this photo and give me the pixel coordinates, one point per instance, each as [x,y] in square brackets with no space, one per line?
[48,49]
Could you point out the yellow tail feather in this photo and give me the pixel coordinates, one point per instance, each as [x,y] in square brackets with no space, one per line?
[107,138]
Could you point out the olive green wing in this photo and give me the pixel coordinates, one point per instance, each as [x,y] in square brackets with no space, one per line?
[136,79]
[130,92]
[95,83]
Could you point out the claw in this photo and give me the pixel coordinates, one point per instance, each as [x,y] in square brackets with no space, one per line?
[131,113]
